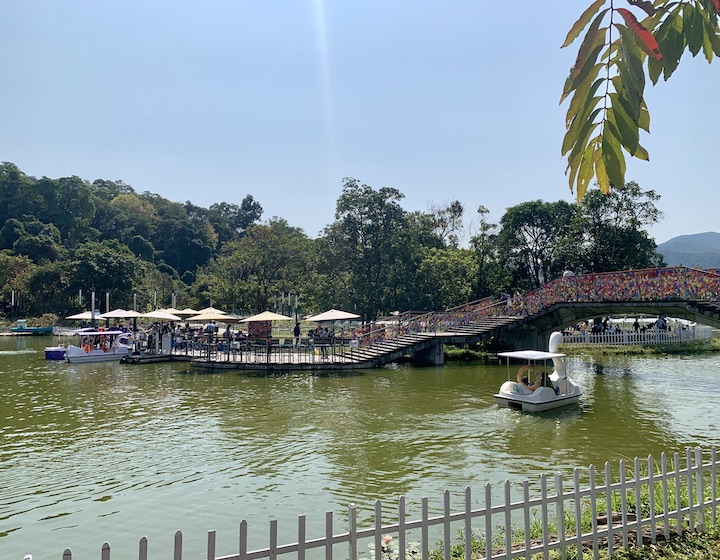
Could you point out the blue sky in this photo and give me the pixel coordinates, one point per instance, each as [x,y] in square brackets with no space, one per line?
[211,100]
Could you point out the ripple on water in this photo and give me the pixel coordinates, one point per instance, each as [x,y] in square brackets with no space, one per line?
[84,451]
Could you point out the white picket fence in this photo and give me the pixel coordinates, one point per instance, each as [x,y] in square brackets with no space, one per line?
[648,338]
[675,495]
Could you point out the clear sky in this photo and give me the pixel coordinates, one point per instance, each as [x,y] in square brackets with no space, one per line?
[210,100]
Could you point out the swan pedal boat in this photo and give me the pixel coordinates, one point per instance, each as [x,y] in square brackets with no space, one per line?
[559,391]
[99,346]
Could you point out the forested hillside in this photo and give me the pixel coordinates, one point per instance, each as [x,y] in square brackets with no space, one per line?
[61,238]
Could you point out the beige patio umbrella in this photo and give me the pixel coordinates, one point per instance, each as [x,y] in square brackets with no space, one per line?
[266,316]
[187,311]
[170,310]
[211,309]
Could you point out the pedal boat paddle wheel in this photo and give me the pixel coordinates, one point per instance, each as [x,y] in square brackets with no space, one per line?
[530,387]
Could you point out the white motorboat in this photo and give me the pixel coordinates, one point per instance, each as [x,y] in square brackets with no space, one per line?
[99,346]
[534,389]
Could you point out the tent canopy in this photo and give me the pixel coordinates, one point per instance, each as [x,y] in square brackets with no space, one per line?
[333,315]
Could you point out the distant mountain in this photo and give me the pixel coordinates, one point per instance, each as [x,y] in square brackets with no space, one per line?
[701,250]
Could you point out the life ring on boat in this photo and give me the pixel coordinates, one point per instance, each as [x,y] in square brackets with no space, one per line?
[528,369]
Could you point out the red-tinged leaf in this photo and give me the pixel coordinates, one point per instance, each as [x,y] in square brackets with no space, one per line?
[644,5]
[716,5]
[580,24]
[645,39]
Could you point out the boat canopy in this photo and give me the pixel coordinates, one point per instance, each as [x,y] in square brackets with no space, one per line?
[531,355]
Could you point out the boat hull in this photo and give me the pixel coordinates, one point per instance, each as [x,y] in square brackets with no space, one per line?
[516,404]
[55,352]
[76,355]
[32,330]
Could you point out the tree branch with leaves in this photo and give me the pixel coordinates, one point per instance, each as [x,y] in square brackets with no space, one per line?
[606,85]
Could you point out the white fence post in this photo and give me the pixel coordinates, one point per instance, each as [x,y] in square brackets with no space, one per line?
[211,545]
[243,540]
[352,533]
[678,495]
[302,537]
[329,534]
[638,502]
[544,513]
[143,548]
[560,513]
[623,504]
[468,524]
[446,525]
[508,520]
[488,521]
[402,537]
[578,514]
[609,505]
[177,553]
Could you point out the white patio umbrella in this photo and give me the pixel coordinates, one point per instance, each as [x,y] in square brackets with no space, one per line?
[162,315]
[120,314]
[332,315]
[210,316]
[84,316]
[266,316]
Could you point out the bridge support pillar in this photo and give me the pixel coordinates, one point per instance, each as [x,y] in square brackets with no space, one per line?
[434,356]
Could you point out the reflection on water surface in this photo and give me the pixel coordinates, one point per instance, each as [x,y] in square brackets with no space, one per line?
[95,452]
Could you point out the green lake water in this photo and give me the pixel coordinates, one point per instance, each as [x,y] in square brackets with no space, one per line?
[111,452]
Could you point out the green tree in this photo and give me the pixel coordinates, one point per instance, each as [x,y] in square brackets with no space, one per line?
[447,277]
[530,236]
[106,266]
[606,84]
[270,259]
[447,221]
[608,232]
[492,276]
[365,238]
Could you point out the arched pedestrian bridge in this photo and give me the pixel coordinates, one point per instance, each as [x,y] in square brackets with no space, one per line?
[524,321]
[527,321]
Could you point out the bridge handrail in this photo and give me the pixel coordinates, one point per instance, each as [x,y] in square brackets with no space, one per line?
[650,284]
[677,283]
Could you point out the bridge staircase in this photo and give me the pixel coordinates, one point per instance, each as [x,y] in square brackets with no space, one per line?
[380,350]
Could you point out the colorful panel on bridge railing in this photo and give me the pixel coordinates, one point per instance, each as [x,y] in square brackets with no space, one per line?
[703,285]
